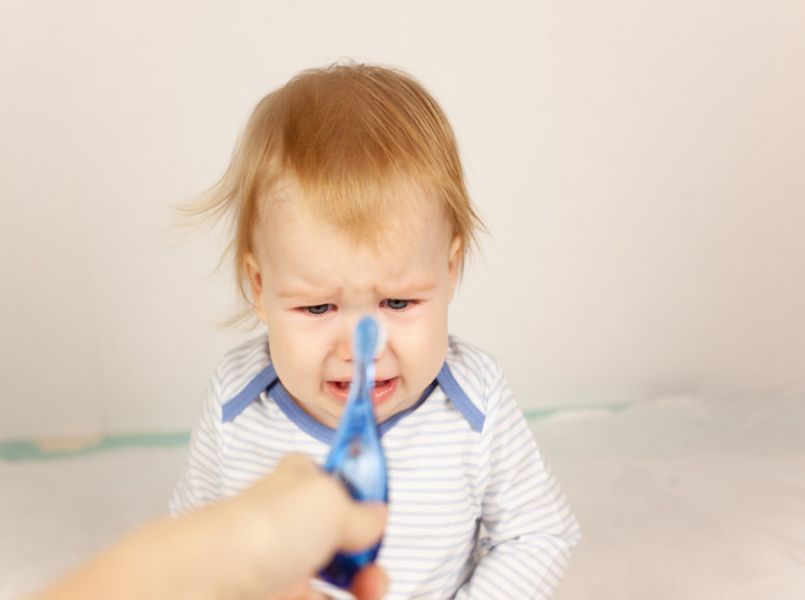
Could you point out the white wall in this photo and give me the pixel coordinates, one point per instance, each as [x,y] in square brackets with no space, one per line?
[639,165]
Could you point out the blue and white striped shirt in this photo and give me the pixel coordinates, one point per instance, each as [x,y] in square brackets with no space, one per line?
[473,510]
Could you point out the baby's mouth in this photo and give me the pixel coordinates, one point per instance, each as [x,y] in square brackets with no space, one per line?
[382,390]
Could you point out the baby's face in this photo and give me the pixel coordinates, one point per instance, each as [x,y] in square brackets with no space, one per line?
[312,283]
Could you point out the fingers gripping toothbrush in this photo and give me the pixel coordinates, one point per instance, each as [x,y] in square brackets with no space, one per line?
[356,456]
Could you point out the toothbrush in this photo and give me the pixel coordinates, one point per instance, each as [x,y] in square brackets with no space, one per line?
[356,455]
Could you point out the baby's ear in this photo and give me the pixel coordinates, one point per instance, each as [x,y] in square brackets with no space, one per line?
[252,268]
[454,257]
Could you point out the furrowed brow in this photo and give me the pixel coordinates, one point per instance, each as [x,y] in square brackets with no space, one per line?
[305,294]
[413,289]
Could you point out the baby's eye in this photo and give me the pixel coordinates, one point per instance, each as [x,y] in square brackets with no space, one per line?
[319,309]
[396,303]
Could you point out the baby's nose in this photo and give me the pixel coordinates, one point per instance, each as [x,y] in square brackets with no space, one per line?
[343,348]
[343,345]
[382,344]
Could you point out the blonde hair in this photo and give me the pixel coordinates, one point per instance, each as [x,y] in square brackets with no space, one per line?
[347,134]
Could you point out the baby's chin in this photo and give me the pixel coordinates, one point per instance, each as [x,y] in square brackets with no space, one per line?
[324,409]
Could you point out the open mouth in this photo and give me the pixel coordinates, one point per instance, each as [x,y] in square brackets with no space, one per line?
[382,390]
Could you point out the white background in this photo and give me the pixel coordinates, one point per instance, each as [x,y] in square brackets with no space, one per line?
[639,166]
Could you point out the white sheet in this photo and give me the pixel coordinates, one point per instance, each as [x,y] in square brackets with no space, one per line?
[685,498]
[56,513]
[677,498]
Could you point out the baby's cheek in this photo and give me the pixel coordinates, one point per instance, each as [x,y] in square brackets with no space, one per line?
[287,358]
[426,350]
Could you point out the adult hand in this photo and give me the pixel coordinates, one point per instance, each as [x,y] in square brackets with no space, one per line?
[311,517]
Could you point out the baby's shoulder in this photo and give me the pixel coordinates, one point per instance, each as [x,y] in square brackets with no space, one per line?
[475,370]
[240,365]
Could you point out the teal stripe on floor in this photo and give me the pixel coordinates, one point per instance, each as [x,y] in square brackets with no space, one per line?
[542,413]
[69,448]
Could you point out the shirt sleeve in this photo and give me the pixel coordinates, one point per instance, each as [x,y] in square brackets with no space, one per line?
[529,525]
[201,481]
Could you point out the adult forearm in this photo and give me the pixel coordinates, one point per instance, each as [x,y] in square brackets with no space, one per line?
[198,556]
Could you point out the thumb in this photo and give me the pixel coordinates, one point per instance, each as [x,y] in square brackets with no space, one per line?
[362,526]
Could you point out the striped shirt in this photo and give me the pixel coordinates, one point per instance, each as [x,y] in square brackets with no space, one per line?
[474,511]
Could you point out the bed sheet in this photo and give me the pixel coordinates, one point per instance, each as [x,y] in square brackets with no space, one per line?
[55,513]
[685,498]
[678,497]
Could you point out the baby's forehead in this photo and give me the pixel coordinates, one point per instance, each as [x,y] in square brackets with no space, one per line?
[403,217]
[302,246]
[396,239]
[314,262]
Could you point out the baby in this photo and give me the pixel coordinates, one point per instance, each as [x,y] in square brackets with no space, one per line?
[347,198]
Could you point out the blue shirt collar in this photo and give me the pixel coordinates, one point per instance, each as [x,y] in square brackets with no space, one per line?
[267,380]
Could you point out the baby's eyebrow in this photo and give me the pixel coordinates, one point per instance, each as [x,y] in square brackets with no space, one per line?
[412,289]
[401,289]
[307,293]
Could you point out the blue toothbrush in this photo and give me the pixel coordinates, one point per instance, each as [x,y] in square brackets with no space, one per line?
[356,456]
